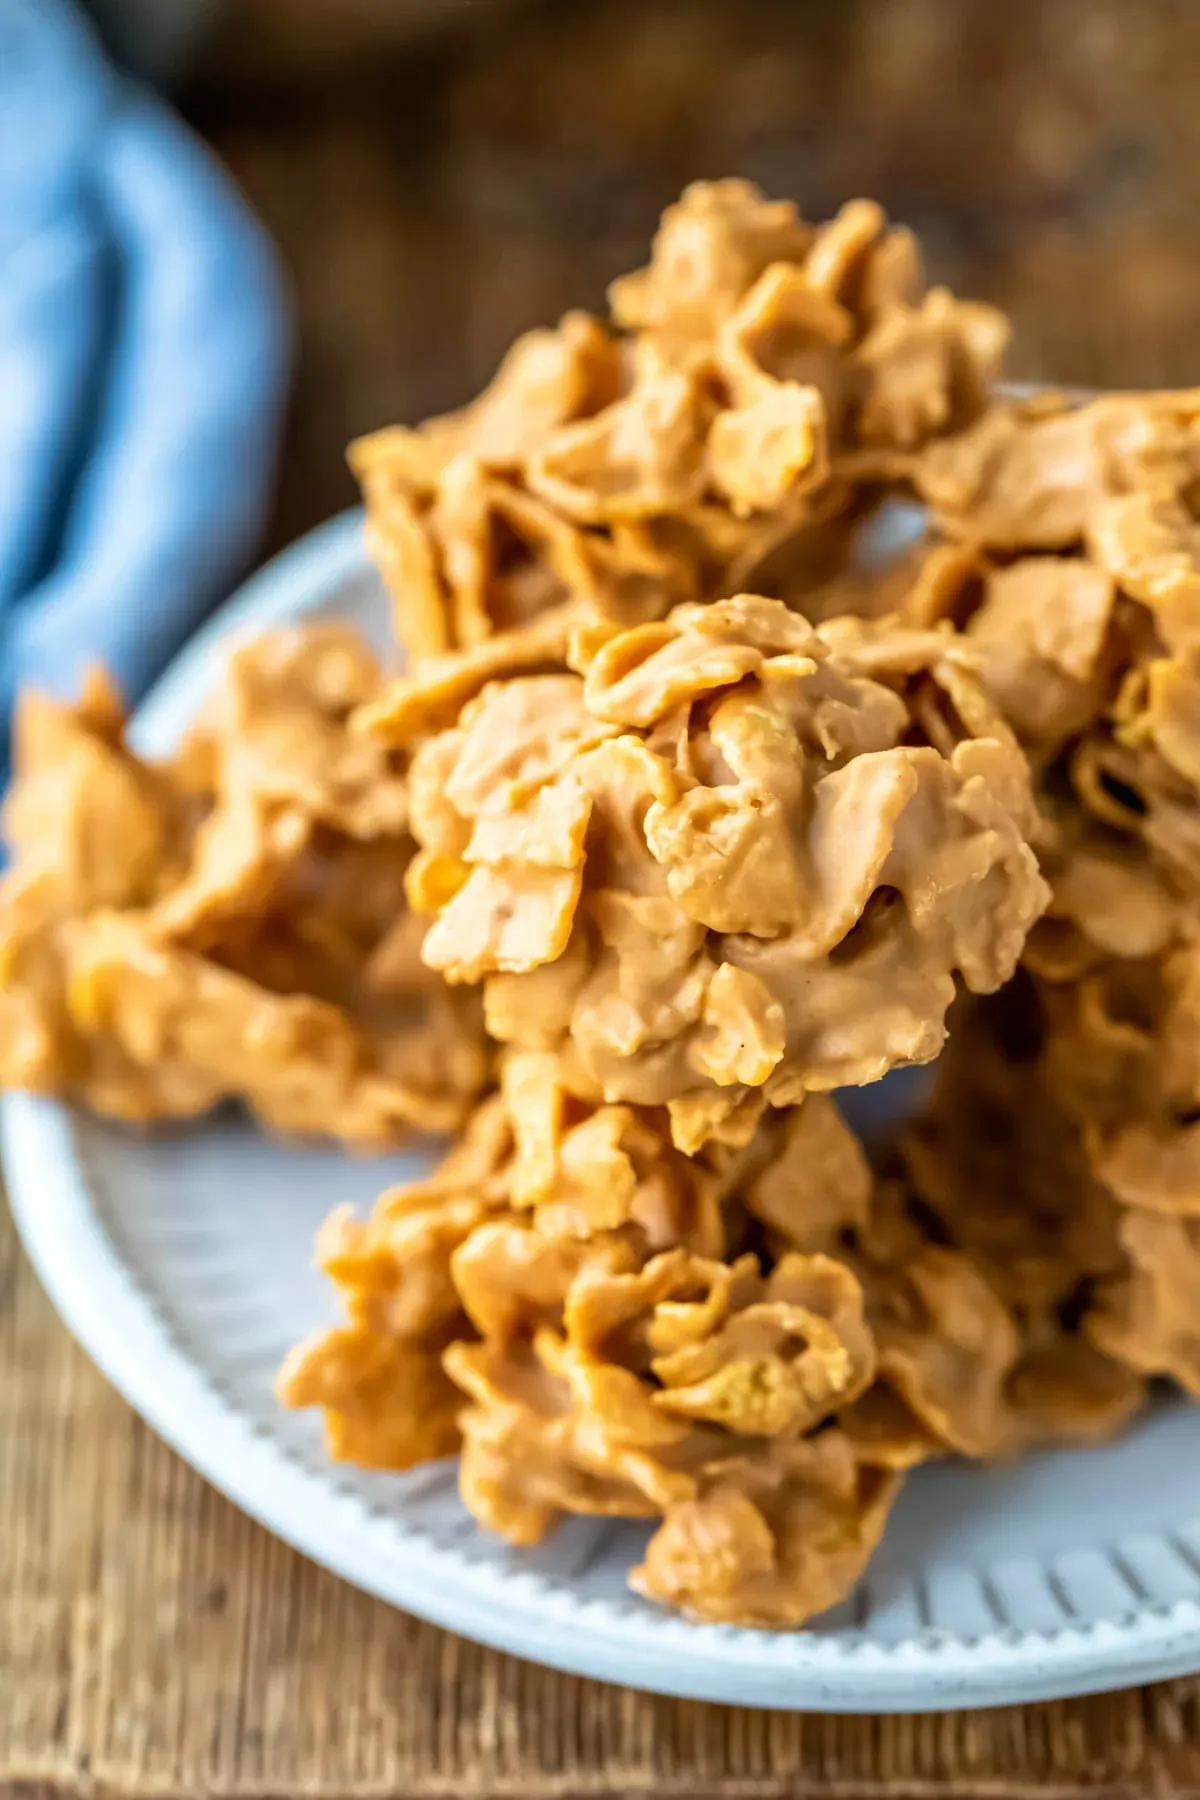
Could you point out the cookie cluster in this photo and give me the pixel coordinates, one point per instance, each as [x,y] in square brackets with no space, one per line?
[683,814]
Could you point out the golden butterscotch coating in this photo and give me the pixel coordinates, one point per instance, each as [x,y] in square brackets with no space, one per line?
[729,861]
[691,447]
[1060,1151]
[573,1305]
[564,1301]
[1077,570]
[1122,1066]
[229,924]
[773,1539]
[1049,473]
[1072,562]
[998,1174]
[544,1186]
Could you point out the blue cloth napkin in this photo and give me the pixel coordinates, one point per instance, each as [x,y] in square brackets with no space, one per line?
[143,360]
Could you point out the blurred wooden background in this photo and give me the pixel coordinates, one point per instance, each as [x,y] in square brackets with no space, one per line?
[441,174]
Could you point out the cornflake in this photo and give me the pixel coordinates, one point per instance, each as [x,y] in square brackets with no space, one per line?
[733,860]
[231,924]
[579,1283]
[690,447]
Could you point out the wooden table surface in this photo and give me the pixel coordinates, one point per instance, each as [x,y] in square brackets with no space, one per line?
[440,176]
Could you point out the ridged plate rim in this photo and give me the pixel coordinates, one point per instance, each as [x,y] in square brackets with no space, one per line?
[125,1329]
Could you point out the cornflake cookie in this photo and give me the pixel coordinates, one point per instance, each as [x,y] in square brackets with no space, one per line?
[567,1302]
[572,1304]
[997,1174]
[1075,567]
[230,925]
[699,443]
[730,861]
[1120,1065]
[1071,562]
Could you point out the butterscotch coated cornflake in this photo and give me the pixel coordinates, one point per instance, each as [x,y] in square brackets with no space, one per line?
[578,1281]
[230,924]
[692,446]
[773,1539]
[1077,562]
[1085,515]
[729,862]
[1122,1066]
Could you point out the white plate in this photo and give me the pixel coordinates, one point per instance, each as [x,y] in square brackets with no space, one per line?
[181,1264]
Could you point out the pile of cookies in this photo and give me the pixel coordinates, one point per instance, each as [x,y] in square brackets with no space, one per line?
[685,813]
